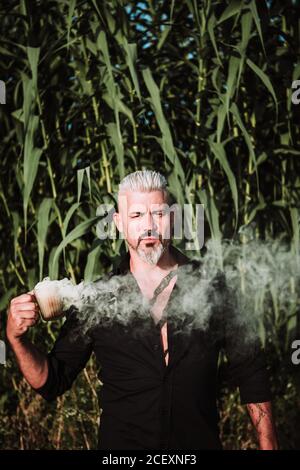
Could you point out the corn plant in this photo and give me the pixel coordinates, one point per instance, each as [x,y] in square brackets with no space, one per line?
[200,90]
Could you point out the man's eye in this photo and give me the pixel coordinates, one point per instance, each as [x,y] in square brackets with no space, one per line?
[160,213]
[137,214]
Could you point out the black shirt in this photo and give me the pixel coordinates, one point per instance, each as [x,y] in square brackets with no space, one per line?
[146,404]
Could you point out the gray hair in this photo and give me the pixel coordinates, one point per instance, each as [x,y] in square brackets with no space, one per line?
[144,181]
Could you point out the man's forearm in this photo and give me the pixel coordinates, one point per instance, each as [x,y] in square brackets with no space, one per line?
[262,419]
[32,362]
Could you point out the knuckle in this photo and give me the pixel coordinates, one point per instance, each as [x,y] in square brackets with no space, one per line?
[15,313]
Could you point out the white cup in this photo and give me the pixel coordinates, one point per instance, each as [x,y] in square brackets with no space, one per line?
[49,299]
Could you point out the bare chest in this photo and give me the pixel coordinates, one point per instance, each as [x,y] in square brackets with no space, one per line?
[158,308]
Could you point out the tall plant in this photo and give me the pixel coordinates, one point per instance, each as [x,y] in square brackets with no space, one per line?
[200,90]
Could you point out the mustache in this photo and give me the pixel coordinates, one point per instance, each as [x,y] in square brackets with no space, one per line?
[148,234]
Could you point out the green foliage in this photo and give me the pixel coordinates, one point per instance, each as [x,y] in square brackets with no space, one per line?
[200,90]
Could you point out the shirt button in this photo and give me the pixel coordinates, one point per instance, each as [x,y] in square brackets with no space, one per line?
[156,347]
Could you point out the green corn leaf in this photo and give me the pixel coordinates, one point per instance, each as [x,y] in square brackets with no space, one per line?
[42,229]
[116,139]
[31,161]
[265,79]
[33,54]
[88,175]
[233,8]
[234,110]
[68,217]
[163,37]
[212,213]
[76,233]
[72,5]
[131,55]
[212,22]
[253,9]
[261,206]
[103,47]
[80,175]
[294,212]
[231,80]
[19,115]
[246,23]
[219,152]
[6,297]
[220,121]
[92,262]
[53,266]
[167,141]
[16,228]
[28,97]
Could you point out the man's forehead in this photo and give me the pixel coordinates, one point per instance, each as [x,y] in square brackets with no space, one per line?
[129,199]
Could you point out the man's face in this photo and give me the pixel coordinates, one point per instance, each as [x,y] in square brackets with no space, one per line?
[145,221]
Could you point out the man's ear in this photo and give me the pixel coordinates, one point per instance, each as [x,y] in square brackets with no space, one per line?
[118,221]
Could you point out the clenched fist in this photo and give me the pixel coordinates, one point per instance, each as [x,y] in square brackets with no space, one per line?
[23,312]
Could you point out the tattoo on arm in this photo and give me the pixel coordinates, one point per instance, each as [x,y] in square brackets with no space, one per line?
[262,418]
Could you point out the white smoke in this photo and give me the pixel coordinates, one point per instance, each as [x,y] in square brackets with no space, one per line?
[259,276]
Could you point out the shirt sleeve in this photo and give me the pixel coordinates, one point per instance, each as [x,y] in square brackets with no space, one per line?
[68,357]
[246,367]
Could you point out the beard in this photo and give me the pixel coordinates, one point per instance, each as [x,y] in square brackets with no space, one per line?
[151,255]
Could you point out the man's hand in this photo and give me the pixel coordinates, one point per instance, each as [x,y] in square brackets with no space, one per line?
[23,313]
[262,418]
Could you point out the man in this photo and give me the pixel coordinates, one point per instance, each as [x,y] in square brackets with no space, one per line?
[159,387]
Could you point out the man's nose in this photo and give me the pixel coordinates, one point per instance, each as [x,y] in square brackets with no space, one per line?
[149,223]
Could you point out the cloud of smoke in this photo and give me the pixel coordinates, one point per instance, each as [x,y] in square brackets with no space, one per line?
[256,276]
